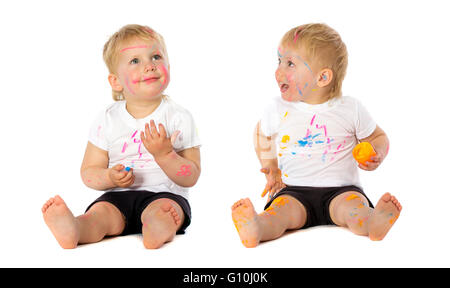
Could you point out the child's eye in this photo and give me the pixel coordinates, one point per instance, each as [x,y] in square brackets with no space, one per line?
[279,61]
[156,57]
[291,64]
[134,61]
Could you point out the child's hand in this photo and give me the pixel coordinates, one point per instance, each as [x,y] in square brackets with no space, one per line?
[274,182]
[121,178]
[371,165]
[156,143]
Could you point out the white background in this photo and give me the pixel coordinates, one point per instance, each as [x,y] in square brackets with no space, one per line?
[223,60]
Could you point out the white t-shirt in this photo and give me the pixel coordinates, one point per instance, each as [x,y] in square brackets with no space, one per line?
[119,133]
[315,142]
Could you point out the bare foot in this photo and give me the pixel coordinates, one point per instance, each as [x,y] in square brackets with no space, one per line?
[159,226]
[61,222]
[383,216]
[246,221]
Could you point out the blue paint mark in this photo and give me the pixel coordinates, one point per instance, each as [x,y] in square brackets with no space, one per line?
[319,142]
[306,85]
[316,135]
[302,143]
[127,169]
[300,91]
[293,153]
[307,66]
[279,55]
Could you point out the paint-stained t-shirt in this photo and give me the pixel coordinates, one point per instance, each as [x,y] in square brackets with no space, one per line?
[315,142]
[119,133]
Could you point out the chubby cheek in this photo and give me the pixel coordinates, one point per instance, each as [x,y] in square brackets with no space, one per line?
[166,75]
[277,75]
[127,79]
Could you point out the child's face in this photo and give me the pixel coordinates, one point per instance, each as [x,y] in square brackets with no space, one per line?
[143,70]
[294,75]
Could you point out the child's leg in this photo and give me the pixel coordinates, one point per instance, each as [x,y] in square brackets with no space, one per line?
[161,219]
[351,209]
[102,219]
[285,213]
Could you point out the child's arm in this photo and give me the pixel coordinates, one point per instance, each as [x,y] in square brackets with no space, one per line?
[96,174]
[266,151]
[380,143]
[182,168]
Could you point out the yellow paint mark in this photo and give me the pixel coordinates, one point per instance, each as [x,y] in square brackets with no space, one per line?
[360,222]
[285,114]
[279,154]
[285,175]
[271,211]
[393,219]
[285,139]
[351,197]
[280,201]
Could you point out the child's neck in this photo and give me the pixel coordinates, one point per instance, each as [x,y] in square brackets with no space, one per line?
[316,99]
[141,109]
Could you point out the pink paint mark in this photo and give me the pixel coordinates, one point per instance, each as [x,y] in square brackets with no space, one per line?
[146,80]
[296,36]
[98,130]
[324,128]
[124,147]
[166,77]
[340,146]
[308,133]
[134,134]
[128,85]
[134,47]
[184,170]
[312,120]
[148,30]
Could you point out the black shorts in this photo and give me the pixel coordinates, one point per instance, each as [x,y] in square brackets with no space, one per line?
[316,201]
[132,203]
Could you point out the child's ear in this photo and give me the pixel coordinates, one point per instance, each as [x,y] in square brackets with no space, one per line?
[325,77]
[114,82]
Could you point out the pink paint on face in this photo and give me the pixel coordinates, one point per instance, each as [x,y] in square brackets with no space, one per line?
[166,76]
[128,85]
[134,47]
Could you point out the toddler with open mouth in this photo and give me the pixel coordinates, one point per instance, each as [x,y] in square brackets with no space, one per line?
[304,142]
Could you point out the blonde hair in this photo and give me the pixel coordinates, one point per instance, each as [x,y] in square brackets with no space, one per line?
[114,43]
[323,46]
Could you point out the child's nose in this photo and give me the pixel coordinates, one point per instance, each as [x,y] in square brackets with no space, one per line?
[149,66]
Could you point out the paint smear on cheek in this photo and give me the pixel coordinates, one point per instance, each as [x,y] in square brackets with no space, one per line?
[166,76]
[127,83]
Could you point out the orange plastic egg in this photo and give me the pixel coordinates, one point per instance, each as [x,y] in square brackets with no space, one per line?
[362,152]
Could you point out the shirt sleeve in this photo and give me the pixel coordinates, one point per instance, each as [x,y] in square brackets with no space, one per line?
[270,120]
[364,124]
[188,136]
[97,133]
